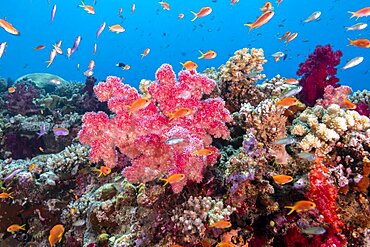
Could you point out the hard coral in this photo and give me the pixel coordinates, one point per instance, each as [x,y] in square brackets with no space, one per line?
[318,71]
[20,101]
[142,135]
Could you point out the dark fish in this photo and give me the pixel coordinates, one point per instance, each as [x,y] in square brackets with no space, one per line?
[121,65]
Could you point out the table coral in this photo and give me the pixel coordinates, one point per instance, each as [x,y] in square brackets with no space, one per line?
[238,77]
[142,135]
[318,71]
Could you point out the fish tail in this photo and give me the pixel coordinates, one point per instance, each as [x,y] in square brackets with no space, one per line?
[195,15]
[250,26]
[350,42]
[182,65]
[163,179]
[142,55]
[352,13]
[82,4]
[202,55]
[291,211]
[49,63]
[22,227]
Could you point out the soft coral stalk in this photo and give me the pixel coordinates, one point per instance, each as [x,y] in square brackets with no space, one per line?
[142,135]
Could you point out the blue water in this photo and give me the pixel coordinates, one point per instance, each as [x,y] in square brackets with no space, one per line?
[172,40]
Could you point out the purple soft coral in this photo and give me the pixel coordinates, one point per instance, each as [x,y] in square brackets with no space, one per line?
[318,72]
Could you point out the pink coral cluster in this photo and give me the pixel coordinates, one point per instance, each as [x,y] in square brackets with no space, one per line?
[334,95]
[142,135]
[318,71]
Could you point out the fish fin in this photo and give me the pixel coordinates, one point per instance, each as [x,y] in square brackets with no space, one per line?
[352,13]
[291,211]
[202,55]
[350,42]
[163,179]
[22,227]
[142,55]
[250,25]
[183,66]
[195,15]
[82,4]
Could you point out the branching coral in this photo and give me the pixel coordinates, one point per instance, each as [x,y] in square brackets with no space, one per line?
[362,100]
[238,78]
[142,135]
[318,71]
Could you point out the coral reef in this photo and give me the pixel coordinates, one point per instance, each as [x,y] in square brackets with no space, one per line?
[334,95]
[21,101]
[318,72]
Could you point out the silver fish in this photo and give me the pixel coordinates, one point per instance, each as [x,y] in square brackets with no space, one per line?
[315,230]
[314,16]
[307,156]
[285,141]
[353,62]
[356,27]
[174,140]
[292,92]
[79,223]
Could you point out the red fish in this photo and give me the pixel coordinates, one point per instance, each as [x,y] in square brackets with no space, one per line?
[8,27]
[202,13]
[263,19]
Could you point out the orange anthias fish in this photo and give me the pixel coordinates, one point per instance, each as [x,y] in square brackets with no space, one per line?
[133,7]
[56,234]
[31,167]
[57,47]
[301,206]
[39,47]
[267,6]
[208,55]
[145,53]
[360,13]
[221,224]
[363,43]
[138,105]
[349,105]
[287,102]
[117,28]
[6,195]
[291,37]
[181,112]
[91,65]
[53,53]
[11,90]
[165,5]
[8,27]
[202,152]
[202,13]
[181,15]
[292,81]
[189,65]
[285,36]
[173,179]
[225,244]
[103,170]
[88,8]
[282,179]
[263,19]
[15,228]
[234,2]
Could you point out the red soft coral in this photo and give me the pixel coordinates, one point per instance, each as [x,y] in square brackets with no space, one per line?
[318,71]
[142,135]
[334,95]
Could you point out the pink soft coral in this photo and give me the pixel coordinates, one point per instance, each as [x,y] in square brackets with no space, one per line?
[142,135]
[334,95]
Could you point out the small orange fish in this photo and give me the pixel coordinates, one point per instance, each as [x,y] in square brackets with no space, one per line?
[31,167]
[282,179]
[176,245]
[301,206]
[56,234]
[53,53]
[73,211]
[91,65]
[181,15]
[39,47]
[287,102]
[202,13]
[57,47]
[263,19]
[145,53]
[138,105]
[291,37]
[189,65]
[202,152]
[41,149]
[117,28]
[173,179]
[11,90]
[6,195]
[8,27]
[285,36]
[349,105]
[15,228]
[362,43]
[126,67]
[221,224]
[208,55]
[88,8]
[165,5]
[267,6]
[234,1]
[103,171]
[181,112]
[360,13]
[225,244]
[292,81]
[133,7]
